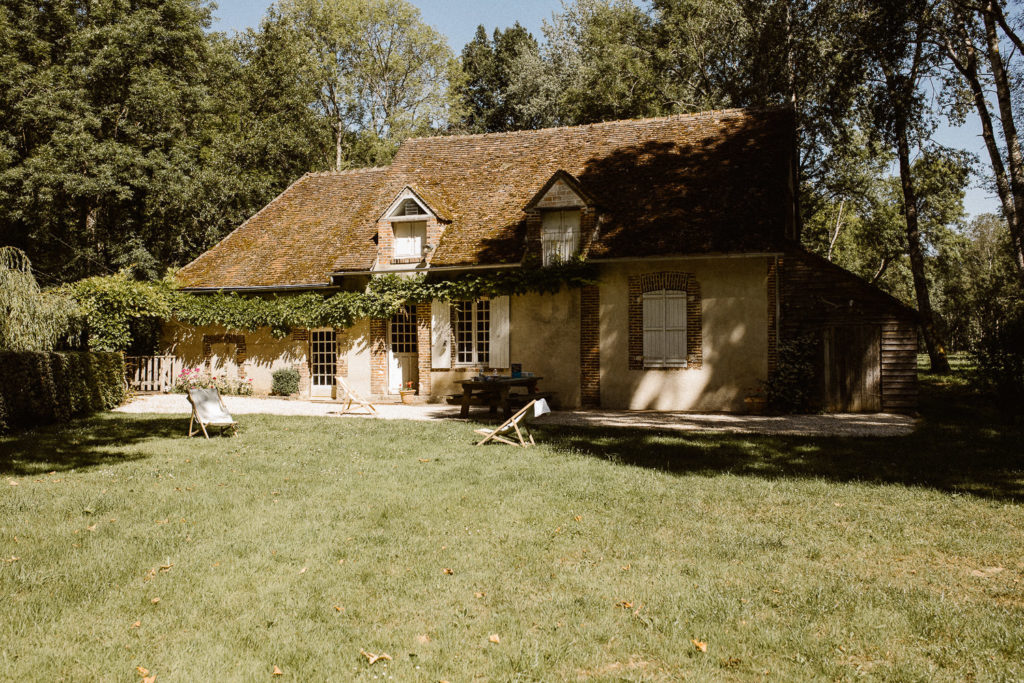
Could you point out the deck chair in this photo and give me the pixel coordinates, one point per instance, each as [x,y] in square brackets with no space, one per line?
[349,396]
[516,426]
[208,410]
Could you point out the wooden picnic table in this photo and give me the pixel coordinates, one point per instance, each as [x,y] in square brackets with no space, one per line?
[495,391]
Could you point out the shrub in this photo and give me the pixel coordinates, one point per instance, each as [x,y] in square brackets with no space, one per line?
[999,353]
[43,387]
[793,386]
[286,382]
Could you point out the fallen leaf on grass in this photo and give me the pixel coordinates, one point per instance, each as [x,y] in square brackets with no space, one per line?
[423,639]
[149,679]
[699,644]
[143,671]
[91,528]
[578,518]
[12,482]
[447,571]
[339,608]
[424,459]
[624,604]
[166,567]
[986,572]
[277,672]
[494,638]
[136,624]
[161,521]
[479,594]
[372,658]
[303,570]
[155,600]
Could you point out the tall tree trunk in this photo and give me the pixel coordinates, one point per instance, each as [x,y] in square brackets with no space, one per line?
[966,62]
[1005,101]
[936,349]
[337,145]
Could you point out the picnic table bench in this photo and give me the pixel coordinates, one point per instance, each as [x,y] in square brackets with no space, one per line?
[496,392]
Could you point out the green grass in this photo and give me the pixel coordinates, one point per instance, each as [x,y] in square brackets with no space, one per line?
[599,555]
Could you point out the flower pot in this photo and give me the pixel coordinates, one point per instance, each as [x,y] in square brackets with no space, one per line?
[408,395]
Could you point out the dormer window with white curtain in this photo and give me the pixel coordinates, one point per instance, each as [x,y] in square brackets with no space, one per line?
[560,235]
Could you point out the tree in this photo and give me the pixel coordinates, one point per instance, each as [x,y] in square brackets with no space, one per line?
[378,73]
[30,319]
[103,110]
[901,56]
[488,72]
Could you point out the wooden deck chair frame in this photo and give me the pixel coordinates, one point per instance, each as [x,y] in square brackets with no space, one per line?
[514,425]
[194,419]
[352,397]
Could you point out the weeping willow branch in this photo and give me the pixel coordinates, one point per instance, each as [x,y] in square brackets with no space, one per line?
[30,319]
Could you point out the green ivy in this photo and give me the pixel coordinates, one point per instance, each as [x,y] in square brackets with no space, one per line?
[111,303]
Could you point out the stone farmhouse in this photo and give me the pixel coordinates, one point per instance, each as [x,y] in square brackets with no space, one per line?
[692,225]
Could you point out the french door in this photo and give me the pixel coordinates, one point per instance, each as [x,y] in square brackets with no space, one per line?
[323,361]
[403,367]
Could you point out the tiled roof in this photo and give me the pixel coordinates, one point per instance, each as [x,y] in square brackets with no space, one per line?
[710,182]
[296,239]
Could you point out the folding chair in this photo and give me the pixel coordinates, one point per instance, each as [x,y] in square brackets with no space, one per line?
[351,396]
[208,409]
[517,425]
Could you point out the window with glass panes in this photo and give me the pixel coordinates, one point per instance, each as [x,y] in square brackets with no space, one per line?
[403,330]
[323,357]
[472,332]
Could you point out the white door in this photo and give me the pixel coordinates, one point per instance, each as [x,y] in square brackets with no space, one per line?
[323,359]
[403,368]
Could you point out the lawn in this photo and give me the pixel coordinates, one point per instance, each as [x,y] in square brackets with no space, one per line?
[599,555]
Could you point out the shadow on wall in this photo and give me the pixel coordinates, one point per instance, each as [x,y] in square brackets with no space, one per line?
[262,349]
[734,363]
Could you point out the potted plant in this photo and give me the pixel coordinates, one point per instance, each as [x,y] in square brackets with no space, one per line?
[407,393]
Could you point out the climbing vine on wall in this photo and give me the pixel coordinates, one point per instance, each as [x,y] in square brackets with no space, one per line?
[112,302]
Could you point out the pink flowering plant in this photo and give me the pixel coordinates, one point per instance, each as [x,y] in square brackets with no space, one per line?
[194,378]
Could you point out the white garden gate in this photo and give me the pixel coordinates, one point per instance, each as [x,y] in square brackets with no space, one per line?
[151,373]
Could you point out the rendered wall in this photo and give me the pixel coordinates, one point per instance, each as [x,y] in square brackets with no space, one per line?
[734,311]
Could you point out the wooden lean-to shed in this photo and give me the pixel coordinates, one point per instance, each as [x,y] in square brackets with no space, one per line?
[868,339]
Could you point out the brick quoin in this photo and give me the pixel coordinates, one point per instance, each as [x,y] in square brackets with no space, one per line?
[378,356]
[590,346]
[773,315]
[423,341]
[341,352]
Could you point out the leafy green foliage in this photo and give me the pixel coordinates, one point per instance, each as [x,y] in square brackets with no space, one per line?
[43,387]
[489,70]
[285,382]
[111,304]
[793,386]
[30,319]
[194,378]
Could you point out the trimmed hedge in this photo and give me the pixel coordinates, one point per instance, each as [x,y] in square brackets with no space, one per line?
[285,382]
[39,388]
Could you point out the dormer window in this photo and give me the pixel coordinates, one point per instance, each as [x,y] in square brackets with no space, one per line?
[560,235]
[410,236]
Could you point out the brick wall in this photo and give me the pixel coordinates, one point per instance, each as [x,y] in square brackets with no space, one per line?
[773,314]
[378,356]
[241,353]
[590,346]
[423,342]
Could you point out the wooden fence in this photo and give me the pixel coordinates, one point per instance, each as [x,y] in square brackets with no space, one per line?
[151,373]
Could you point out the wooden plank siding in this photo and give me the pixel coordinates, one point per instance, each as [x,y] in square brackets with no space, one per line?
[816,295]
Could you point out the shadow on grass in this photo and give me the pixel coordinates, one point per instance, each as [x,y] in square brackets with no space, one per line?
[960,446]
[83,443]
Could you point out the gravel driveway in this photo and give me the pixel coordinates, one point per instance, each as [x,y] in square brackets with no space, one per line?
[837,424]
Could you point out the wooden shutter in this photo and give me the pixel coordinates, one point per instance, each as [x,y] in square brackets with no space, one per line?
[664,317]
[440,335]
[499,332]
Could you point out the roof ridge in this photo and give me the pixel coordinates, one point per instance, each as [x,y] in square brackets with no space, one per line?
[346,171]
[708,113]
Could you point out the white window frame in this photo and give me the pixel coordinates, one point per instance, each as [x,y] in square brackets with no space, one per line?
[560,235]
[477,325]
[658,332]
[409,245]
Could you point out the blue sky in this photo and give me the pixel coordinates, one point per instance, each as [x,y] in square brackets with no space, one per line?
[458,19]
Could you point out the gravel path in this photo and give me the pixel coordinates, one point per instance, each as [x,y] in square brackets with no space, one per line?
[839,424]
